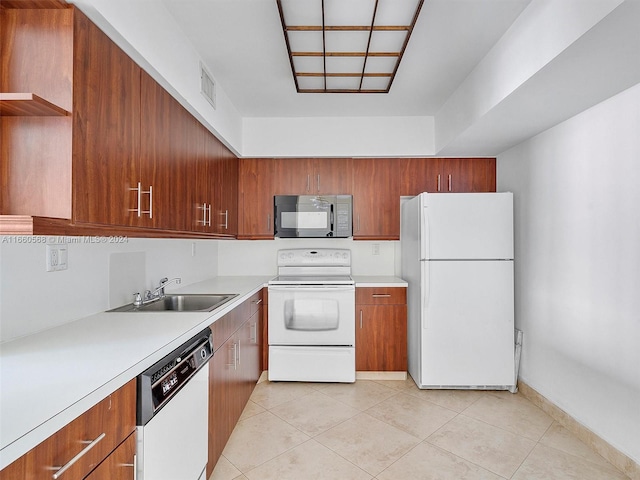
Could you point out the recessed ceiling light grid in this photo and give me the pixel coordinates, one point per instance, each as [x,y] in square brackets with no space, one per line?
[346,46]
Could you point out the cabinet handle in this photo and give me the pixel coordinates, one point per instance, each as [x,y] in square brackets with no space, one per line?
[360,318]
[225,225]
[308,182]
[134,465]
[358,229]
[84,451]
[318,182]
[137,209]
[150,201]
[204,214]
[381,295]
[257,302]
[235,357]
[268,222]
[449,182]
[238,354]
[438,182]
[254,332]
[209,215]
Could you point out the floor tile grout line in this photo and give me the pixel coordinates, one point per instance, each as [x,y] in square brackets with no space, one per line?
[396,392]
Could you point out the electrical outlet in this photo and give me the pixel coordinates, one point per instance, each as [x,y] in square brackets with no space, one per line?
[57,257]
[193,249]
[375,249]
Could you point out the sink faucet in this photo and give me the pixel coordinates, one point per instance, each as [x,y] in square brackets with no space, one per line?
[150,296]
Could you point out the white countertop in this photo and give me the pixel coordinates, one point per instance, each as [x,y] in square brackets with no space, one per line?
[378,281]
[50,378]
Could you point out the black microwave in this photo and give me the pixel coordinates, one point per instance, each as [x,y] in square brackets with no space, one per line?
[313,216]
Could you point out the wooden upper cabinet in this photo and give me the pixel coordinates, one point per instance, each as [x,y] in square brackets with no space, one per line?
[376,199]
[419,175]
[224,178]
[255,198]
[312,176]
[469,175]
[106,126]
[448,175]
[36,58]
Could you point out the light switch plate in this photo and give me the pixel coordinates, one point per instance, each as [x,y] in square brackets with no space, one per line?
[57,257]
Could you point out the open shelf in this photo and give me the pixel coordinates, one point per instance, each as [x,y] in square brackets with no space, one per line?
[28,104]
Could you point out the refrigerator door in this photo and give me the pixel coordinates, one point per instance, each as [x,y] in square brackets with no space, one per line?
[467,324]
[467,226]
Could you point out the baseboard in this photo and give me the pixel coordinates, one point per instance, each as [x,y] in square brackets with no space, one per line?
[381,375]
[610,453]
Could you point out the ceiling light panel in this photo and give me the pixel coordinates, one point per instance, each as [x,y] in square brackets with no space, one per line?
[396,12]
[340,41]
[305,41]
[348,12]
[302,12]
[344,65]
[350,46]
[387,41]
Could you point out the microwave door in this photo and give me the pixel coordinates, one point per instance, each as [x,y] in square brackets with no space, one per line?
[314,220]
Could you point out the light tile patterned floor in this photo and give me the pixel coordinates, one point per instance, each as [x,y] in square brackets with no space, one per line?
[391,430]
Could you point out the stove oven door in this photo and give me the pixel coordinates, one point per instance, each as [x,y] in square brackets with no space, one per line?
[312,315]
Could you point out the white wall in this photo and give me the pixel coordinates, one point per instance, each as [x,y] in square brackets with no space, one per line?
[100,276]
[338,137]
[148,33]
[258,257]
[577,214]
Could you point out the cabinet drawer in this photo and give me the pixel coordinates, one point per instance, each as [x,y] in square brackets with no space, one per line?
[104,427]
[255,302]
[381,295]
[120,465]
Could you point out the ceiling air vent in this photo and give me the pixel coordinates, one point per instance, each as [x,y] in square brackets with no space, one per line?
[207,86]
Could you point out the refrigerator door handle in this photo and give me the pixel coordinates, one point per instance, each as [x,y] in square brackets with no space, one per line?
[425,291]
[424,230]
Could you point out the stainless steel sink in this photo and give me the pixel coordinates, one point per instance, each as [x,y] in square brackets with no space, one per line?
[191,302]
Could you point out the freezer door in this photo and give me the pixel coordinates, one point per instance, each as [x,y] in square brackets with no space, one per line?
[467,226]
[467,324]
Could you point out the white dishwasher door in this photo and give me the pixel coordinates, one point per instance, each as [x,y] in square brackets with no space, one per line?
[173,444]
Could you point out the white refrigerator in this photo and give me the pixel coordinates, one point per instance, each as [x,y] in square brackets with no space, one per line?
[457,257]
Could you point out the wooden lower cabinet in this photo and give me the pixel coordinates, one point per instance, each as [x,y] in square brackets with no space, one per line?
[120,465]
[115,417]
[381,329]
[234,371]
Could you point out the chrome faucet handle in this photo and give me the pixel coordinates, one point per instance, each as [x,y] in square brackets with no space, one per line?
[137,300]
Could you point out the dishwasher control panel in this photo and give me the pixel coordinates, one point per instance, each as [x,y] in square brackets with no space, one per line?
[165,378]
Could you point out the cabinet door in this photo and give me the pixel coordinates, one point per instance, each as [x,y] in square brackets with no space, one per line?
[106,129]
[202,184]
[293,176]
[419,175]
[470,174]
[376,199]
[220,425]
[381,338]
[332,176]
[225,207]
[104,427]
[255,201]
[167,149]
[120,465]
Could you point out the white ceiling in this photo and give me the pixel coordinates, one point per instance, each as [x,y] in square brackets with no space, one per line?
[242,44]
